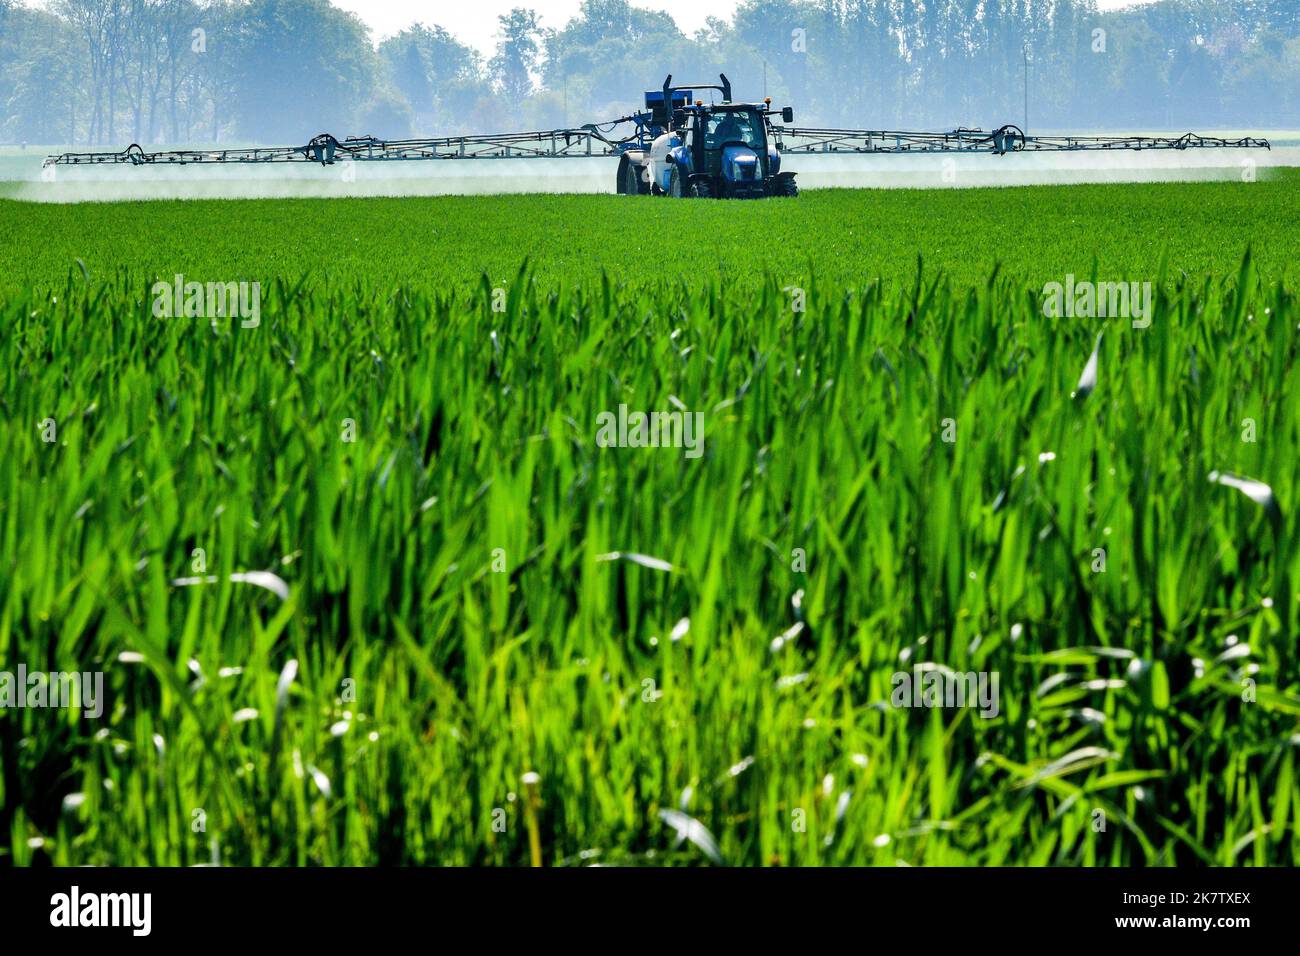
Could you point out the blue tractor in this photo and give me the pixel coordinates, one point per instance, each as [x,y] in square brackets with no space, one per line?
[706,151]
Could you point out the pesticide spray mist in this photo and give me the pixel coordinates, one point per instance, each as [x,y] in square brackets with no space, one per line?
[70,184]
[311,180]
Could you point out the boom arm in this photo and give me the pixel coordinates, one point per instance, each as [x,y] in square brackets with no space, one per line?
[326,149]
[591,140]
[1005,139]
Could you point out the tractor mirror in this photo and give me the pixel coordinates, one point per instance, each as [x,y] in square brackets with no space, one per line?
[787,115]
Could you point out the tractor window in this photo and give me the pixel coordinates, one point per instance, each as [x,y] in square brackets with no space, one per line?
[733,127]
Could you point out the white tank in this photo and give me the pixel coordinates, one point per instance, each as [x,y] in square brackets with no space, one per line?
[658,154]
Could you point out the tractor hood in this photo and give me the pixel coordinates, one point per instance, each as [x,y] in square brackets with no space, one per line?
[740,164]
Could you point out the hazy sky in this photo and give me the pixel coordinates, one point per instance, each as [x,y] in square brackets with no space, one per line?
[475,21]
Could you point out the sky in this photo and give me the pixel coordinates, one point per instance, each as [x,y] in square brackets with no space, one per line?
[475,21]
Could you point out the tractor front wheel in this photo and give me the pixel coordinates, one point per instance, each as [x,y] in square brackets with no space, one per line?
[702,189]
[785,186]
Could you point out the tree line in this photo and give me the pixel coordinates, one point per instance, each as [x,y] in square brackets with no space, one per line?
[207,71]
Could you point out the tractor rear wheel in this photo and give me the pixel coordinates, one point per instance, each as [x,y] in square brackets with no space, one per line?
[629,180]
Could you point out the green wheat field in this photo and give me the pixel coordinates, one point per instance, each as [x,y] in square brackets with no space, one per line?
[480,638]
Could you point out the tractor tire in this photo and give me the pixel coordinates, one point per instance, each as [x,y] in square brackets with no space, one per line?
[701,189]
[786,186]
[675,190]
[629,180]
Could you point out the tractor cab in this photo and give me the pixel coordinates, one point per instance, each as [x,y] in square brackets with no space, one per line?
[729,144]
[722,150]
[734,124]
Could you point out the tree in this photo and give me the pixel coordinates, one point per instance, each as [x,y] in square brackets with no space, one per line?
[387,116]
[598,61]
[27,108]
[89,18]
[214,82]
[8,55]
[39,74]
[409,71]
[440,77]
[301,66]
[518,53]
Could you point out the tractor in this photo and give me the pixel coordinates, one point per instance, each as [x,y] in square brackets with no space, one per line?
[706,151]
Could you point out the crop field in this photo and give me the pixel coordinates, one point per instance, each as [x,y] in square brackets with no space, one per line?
[366,585]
